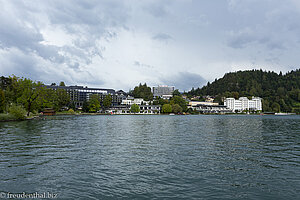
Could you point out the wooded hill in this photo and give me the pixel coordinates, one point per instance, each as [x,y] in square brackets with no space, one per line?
[280,93]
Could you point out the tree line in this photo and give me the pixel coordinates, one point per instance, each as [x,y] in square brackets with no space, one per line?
[176,104]
[34,97]
[95,103]
[30,95]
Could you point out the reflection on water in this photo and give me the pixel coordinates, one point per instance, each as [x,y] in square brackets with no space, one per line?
[153,157]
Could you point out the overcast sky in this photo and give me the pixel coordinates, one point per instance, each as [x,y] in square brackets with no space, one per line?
[118,44]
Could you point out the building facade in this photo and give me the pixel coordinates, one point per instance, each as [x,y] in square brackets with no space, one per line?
[195,103]
[243,103]
[163,91]
[208,107]
[80,94]
[144,109]
[138,101]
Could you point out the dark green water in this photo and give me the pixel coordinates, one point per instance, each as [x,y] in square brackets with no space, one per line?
[153,157]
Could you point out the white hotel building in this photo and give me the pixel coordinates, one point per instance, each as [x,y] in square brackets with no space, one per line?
[243,103]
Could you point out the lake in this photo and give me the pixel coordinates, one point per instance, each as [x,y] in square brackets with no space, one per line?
[152,157]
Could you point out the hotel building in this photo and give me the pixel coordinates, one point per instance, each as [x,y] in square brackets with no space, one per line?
[243,103]
[80,94]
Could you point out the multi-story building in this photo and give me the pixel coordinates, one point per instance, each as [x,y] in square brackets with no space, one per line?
[208,107]
[125,109]
[202,108]
[195,103]
[255,103]
[80,94]
[138,101]
[163,91]
[243,103]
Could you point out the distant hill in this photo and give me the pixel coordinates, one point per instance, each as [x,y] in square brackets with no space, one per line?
[279,92]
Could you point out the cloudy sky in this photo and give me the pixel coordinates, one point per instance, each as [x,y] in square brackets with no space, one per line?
[120,43]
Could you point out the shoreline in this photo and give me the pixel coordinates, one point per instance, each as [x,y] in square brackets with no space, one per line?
[40,117]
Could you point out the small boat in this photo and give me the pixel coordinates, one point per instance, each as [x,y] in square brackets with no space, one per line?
[171,114]
[284,113]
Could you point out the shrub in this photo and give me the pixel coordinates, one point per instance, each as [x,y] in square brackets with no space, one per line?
[176,108]
[17,111]
[135,108]
[166,108]
[6,117]
[71,111]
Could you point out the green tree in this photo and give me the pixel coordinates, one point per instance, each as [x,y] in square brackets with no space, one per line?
[85,106]
[94,103]
[176,108]
[28,93]
[46,99]
[253,91]
[283,106]
[72,105]
[276,107]
[281,91]
[2,101]
[17,111]
[162,101]
[166,108]
[5,82]
[218,99]
[235,95]
[9,85]
[266,106]
[176,93]
[294,94]
[143,91]
[62,83]
[107,101]
[62,98]
[134,108]
[180,101]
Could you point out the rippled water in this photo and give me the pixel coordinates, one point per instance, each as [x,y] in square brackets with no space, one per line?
[153,157]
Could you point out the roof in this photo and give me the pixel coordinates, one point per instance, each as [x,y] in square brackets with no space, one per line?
[219,106]
[78,87]
[150,105]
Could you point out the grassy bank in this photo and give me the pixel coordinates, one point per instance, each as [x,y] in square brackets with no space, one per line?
[7,117]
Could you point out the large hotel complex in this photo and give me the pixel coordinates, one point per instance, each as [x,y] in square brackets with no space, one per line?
[80,94]
[243,103]
[121,101]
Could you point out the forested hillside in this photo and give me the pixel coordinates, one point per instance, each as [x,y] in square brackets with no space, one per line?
[279,92]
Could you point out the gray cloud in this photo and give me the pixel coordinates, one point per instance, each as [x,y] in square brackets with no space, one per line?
[85,22]
[157,9]
[184,80]
[275,26]
[76,41]
[162,37]
[142,65]
[241,38]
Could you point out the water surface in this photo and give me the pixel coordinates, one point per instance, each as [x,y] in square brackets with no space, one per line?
[153,157]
